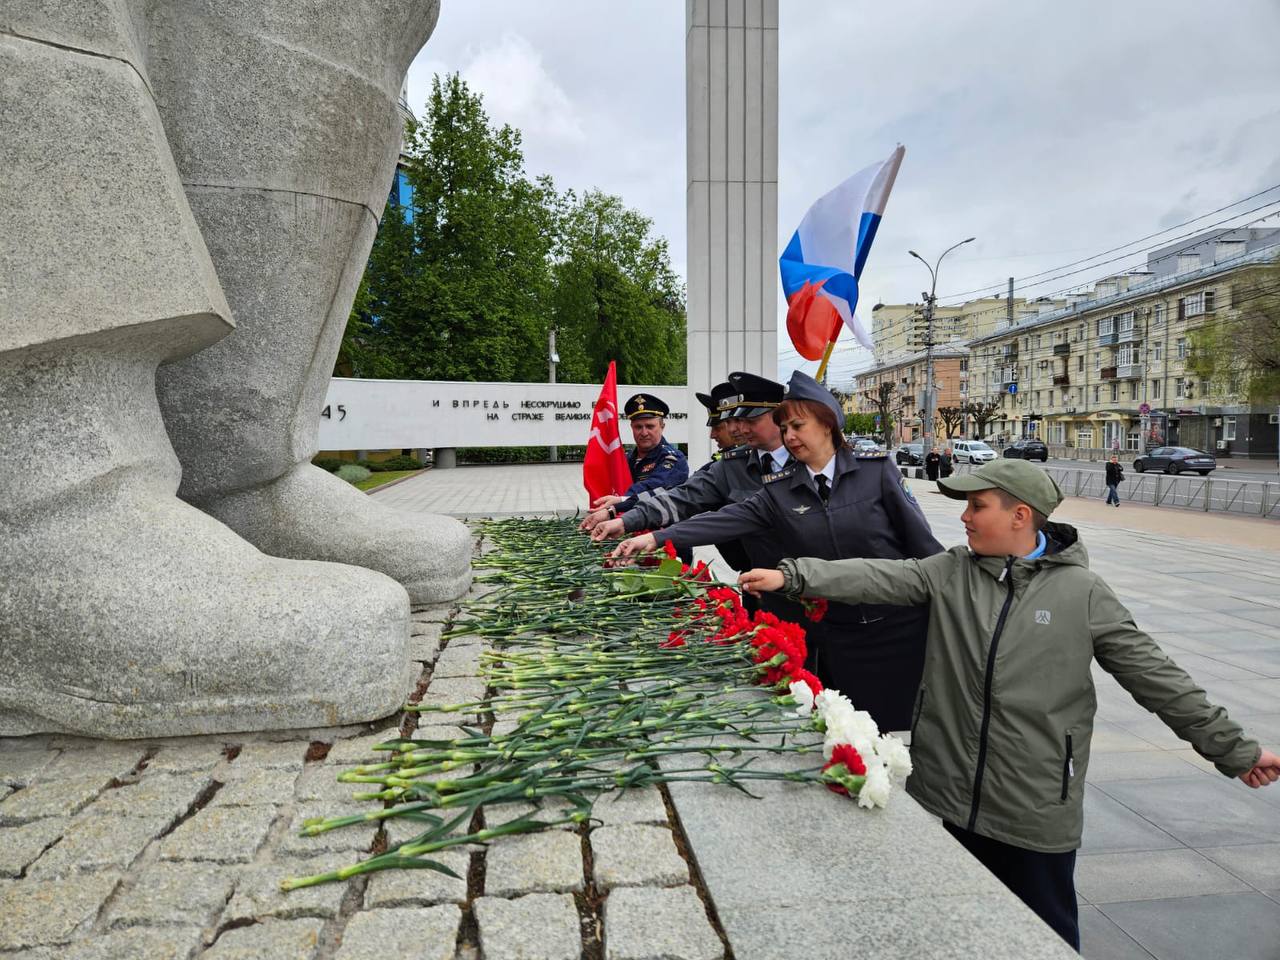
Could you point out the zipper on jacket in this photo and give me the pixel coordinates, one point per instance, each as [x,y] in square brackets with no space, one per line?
[915,721]
[1067,769]
[986,694]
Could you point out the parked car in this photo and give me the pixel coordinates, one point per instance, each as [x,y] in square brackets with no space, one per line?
[910,455]
[971,451]
[865,445]
[1028,449]
[1175,460]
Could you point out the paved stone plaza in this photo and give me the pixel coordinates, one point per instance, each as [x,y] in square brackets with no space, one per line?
[163,848]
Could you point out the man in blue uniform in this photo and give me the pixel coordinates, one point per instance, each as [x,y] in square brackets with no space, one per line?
[721,427]
[654,463]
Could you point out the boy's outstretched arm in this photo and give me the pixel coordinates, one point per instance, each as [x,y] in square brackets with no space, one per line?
[901,582]
[1265,771]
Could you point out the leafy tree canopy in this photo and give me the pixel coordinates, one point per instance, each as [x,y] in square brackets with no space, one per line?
[468,286]
[1238,349]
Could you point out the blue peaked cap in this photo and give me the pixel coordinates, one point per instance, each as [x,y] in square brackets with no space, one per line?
[801,386]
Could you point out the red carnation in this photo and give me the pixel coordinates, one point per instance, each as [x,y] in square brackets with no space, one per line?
[815,610]
[852,760]
[669,549]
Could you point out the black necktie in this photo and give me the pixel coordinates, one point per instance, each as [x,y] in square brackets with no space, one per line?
[824,489]
[766,463]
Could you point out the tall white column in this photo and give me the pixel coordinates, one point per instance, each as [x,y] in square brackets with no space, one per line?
[731,117]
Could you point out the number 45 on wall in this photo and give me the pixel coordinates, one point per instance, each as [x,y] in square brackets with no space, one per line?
[328,414]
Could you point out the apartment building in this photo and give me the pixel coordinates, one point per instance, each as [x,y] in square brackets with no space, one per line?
[908,375]
[1112,368]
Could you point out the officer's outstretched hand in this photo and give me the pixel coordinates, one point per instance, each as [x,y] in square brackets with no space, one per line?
[1265,771]
[593,519]
[609,530]
[760,581]
[645,543]
[608,500]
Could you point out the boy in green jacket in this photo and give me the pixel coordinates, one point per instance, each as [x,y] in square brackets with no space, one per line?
[1004,714]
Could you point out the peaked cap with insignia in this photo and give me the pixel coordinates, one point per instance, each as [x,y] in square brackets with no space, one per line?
[644,405]
[753,395]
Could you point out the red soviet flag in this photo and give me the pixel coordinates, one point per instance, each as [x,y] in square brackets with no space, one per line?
[604,468]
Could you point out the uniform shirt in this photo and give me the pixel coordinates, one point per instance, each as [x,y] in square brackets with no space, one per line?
[829,471]
[779,457]
[663,466]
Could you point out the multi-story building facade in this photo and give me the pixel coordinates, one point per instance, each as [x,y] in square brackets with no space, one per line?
[908,375]
[898,329]
[1113,369]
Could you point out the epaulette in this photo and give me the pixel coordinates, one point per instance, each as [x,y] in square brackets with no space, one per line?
[733,453]
[778,474]
[872,455]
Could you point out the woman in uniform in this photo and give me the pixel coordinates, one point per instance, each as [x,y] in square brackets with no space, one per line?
[834,504]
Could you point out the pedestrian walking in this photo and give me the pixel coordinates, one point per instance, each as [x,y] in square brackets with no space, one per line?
[829,501]
[932,463]
[946,466]
[1115,476]
[1000,752]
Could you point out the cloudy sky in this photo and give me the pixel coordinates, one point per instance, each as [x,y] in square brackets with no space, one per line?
[1051,132]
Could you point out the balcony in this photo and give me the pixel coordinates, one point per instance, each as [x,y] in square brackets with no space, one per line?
[1108,373]
[1061,380]
[1129,336]
[1108,339]
[1062,349]
[1010,350]
[1128,371]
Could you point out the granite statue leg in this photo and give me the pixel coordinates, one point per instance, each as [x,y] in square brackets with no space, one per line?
[125,612]
[287,183]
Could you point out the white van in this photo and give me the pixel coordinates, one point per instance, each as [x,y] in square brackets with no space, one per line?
[971,451]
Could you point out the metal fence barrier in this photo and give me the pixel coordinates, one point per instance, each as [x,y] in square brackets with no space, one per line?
[1259,498]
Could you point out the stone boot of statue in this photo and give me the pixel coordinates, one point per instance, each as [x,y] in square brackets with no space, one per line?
[125,612]
[286,146]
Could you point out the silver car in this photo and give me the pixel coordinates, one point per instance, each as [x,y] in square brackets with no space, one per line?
[971,451]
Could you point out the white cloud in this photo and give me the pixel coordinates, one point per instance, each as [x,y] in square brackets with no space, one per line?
[519,91]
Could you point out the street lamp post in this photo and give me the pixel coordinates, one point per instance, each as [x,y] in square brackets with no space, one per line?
[552,359]
[930,398]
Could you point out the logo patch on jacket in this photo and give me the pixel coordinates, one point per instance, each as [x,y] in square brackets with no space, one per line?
[647,467]
[802,509]
[1042,616]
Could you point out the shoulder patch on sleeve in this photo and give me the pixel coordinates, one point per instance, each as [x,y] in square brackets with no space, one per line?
[907,490]
[872,455]
[778,475]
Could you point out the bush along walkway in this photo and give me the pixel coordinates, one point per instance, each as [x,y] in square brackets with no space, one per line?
[521,785]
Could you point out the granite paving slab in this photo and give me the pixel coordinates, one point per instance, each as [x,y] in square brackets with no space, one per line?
[265,787]
[288,755]
[258,895]
[1111,827]
[420,888]
[51,798]
[429,933]
[1239,926]
[220,835]
[540,926]
[180,757]
[172,894]
[1101,939]
[636,854]
[1257,864]
[38,912]
[19,846]
[103,760]
[1179,807]
[275,939]
[1151,875]
[168,943]
[644,923]
[548,862]
[356,838]
[637,805]
[92,842]
[156,795]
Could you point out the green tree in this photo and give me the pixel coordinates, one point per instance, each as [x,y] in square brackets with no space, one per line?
[615,295]
[468,287]
[1238,347]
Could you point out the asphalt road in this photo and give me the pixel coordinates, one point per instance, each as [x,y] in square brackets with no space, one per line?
[1261,472]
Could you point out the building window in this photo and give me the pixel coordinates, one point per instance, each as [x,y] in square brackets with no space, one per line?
[1081,332]
[1228,428]
[1096,395]
[1080,363]
[1037,341]
[1026,371]
[1155,389]
[1157,353]
[1126,322]
[1106,325]
[1128,354]
[1180,389]
[1097,361]
[1159,314]
[1115,392]
[1182,348]
[1196,304]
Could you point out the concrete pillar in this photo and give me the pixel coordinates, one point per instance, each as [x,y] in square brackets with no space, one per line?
[445,458]
[731,118]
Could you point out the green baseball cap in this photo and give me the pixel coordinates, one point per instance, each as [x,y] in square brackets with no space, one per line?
[1018,478]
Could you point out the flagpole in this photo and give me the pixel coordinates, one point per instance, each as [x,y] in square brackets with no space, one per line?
[822,367]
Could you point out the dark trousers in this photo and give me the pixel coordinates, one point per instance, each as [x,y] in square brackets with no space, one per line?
[1113,494]
[1045,882]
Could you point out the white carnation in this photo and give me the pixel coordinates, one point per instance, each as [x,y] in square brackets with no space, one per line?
[830,700]
[895,755]
[875,791]
[803,697]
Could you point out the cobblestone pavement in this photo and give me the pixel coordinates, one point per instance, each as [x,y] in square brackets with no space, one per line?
[176,848]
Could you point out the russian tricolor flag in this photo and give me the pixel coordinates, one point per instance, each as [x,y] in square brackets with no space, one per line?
[822,263]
